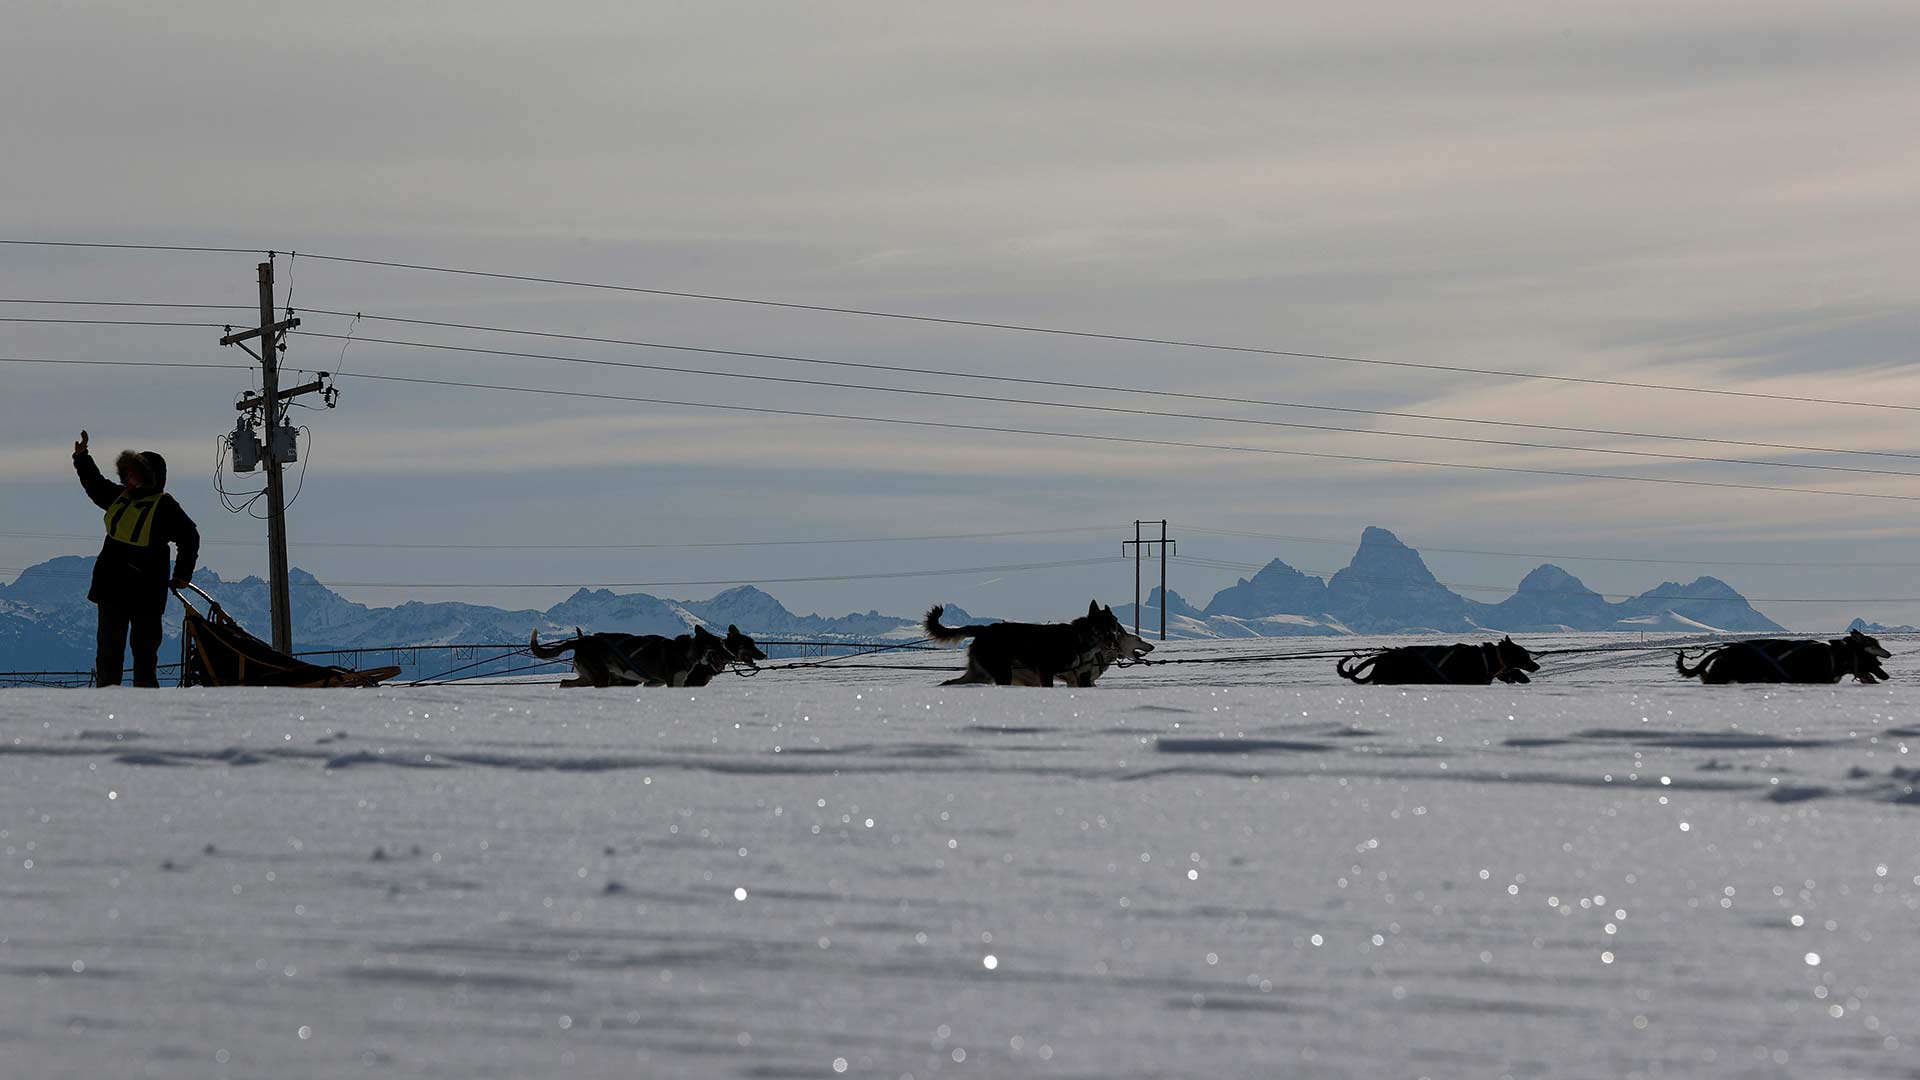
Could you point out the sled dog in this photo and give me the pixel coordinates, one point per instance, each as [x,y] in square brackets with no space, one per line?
[1458,664]
[1768,660]
[604,660]
[1037,654]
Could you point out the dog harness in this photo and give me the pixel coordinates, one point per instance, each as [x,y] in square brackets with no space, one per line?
[130,518]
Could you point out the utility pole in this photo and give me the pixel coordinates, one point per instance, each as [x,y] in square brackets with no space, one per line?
[277,447]
[1140,544]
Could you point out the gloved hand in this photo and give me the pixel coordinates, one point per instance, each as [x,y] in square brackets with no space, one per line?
[80,447]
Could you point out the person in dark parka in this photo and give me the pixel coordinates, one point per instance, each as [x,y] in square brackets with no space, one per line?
[130,579]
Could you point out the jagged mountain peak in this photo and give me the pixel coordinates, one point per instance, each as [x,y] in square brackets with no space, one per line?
[1382,553]
[1175,604]
[1276,588]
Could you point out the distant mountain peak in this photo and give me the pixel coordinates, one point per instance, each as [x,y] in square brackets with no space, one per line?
[1548,578]
[1175,603]
[1382,552]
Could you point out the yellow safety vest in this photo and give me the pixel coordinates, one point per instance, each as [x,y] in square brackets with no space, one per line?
[130,518]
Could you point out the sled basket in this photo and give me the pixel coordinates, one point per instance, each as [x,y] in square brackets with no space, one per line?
[215,650]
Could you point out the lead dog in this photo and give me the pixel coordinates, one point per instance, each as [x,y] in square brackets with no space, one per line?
[603,660]
[1035,654]
[1127,646]
[1768,660]
[1459,664]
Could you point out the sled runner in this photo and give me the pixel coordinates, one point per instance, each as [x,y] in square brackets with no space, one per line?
[215,650]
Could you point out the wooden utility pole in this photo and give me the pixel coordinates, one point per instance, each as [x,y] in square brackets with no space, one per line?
[270,334]
[1140,544]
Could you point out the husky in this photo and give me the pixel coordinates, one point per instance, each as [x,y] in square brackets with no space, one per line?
[1768,660]
[1036,654]
[603,660]
[1459,664]
[1128,646]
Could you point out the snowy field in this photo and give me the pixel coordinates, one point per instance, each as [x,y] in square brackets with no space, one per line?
[1224,870]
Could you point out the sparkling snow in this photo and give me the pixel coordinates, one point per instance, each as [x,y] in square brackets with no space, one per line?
[1232,870]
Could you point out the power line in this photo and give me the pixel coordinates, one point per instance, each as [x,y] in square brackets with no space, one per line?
[124,303]
[1100,336]
[1115,409]
[998,429]
[127,363]
[1132,440]
[617,547]
[1008,568]
[875,313]
[1567,558]
[956,571]
[1103,387]
[136,247]
[108,322]
[981,376]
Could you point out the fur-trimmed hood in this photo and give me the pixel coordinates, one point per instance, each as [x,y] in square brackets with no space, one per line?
[150,467]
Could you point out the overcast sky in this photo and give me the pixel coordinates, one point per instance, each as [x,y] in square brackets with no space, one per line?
[1684,193]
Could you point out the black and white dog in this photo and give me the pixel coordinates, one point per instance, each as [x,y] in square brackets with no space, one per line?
[1037,654]
[1769,660]
[604,660]
[1458,664]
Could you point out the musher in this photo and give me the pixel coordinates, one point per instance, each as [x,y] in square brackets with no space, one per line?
[130,579]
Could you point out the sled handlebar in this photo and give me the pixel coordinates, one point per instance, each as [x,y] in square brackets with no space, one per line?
[204,595]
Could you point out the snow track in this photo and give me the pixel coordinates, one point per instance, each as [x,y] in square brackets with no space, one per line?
[1617,874]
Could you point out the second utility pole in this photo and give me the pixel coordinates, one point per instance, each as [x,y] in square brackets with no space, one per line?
[1140,544]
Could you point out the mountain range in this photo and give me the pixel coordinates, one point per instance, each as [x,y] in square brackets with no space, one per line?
[47,624]
[1388,589]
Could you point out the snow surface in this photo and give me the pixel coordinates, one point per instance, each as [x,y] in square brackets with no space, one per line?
[1230,870]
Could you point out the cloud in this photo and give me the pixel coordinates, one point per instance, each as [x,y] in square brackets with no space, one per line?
[1682,193]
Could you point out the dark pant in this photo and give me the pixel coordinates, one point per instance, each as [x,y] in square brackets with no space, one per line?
[115,626]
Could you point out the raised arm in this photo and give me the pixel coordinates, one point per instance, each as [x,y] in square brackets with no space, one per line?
[100,489]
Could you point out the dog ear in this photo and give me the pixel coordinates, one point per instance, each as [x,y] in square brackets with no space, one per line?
[732,630]
[1093,607]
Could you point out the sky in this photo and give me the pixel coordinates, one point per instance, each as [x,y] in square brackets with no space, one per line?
[1696,194]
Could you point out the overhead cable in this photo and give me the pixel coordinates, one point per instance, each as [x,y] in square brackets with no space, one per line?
[1114,409]
[1131,440]
[618,547]
[876,313]
[1010,379]
[1100,336]
[1039,432]
[1102,387]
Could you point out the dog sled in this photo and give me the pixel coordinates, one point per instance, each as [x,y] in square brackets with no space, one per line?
[215,650]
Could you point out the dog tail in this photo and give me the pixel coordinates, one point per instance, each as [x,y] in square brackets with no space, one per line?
[1680,663]
[1356,672]
[946,634]
[548,652]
